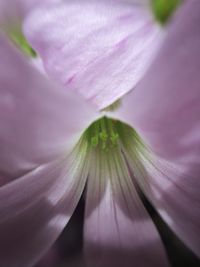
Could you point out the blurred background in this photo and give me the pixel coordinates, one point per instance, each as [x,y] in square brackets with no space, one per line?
[67,251]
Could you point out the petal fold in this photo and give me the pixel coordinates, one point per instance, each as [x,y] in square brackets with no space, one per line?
[98,48]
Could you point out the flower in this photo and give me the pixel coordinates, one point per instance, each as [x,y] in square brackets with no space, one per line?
[54,143]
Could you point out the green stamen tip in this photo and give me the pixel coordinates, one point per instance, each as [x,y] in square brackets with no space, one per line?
[103,136]
[94,141]
[114,138]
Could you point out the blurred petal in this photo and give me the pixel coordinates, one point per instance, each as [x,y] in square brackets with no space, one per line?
[35,208]
[118,230]
[12,11]
[38,120]
[165,109]
[98,48]
[12,14]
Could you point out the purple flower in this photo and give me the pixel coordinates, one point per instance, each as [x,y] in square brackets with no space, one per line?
[58,136]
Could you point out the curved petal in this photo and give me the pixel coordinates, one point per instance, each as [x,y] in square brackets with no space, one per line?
[35,208]
[38,120]
[165,108]
[118,230]
[98,48]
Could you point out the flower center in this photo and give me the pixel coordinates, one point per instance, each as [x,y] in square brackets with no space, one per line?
[111,151]
[107,133]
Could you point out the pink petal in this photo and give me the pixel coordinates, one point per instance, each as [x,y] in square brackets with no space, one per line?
[38,120]
[174,191]
[172,188]
[118,230]
[98,48]
[35,208]
[165,108]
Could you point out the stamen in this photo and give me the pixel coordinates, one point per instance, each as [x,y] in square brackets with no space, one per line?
[103,134]
[116,148]
[95,135]
[106,133]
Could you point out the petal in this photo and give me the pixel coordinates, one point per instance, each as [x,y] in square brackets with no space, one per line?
[165,108]
[37,63]
[174,190]
[38,120]
[101,52]
[35,208]
[118,230]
